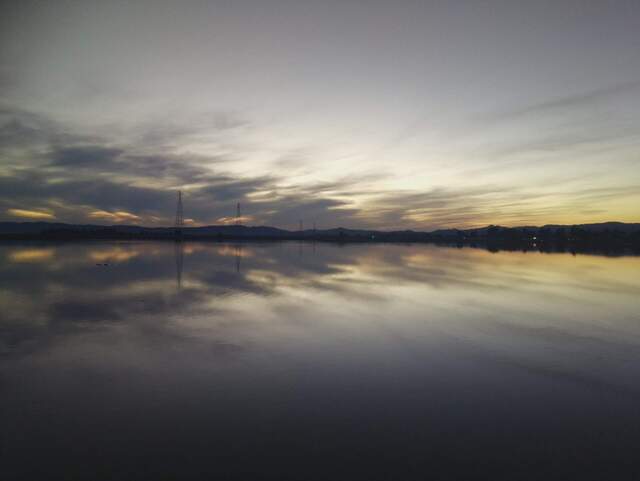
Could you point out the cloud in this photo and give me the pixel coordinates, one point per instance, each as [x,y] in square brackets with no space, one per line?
[16,133]
[119,216]
[78,197]
[164,133]
[105,178]
[225,187]
[245,219]
[95,156]
[31,214]
[125,162]
[568,102]
[30,130]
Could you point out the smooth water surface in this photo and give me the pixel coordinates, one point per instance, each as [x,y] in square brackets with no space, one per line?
[148,360]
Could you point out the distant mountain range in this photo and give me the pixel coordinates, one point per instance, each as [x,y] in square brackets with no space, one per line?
[627,228]
[62,230]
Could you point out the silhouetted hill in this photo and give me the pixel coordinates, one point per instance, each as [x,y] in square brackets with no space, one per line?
[44,228]
[601,227]
[595,228]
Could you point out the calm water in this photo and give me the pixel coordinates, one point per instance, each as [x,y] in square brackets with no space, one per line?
[301,361]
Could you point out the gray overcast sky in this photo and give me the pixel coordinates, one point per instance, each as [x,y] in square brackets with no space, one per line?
[383,114]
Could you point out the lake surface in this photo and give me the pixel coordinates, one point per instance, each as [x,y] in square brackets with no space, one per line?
[154,361]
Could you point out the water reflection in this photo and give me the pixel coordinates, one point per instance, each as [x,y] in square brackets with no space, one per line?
[179,253]
[389,346]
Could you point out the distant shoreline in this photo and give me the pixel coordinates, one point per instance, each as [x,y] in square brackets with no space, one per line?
[596,239]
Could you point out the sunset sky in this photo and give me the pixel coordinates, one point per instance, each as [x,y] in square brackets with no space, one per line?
[381,114]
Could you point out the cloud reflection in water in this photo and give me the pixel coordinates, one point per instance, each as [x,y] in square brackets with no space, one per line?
[315,336]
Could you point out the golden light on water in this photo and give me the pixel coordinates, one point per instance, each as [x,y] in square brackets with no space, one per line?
[31,255]
[116,254]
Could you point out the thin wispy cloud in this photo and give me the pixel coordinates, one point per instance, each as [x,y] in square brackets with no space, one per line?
[573,102]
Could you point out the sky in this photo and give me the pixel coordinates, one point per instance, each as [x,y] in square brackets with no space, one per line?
[369,114]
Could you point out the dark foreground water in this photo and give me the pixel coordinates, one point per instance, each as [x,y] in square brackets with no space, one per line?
[305,362]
